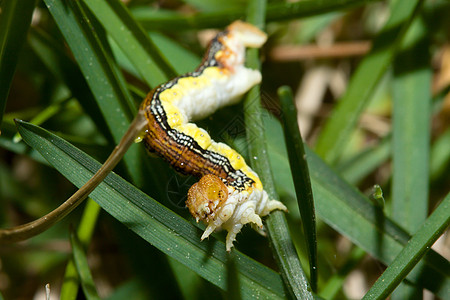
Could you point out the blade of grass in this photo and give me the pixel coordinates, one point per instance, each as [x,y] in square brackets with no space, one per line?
[440,156]
[416,248]
[148,264]
[191,285]
[335,283]
[215,5]
[62,67]
[339,126]
[349,212]
[284,250]
[69,288]
[411,130]
[145,56]
[14,22]
[132,289]
[356,168]
[6,142]
[276,11]
[45,114]
[155,223]
[411,136]
[182,60]
[102,76]
[233,291]
[300,174]
[84,273]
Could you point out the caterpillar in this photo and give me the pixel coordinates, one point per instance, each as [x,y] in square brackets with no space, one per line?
[229,193]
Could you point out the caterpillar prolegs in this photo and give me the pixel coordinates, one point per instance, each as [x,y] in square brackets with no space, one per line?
[229,193]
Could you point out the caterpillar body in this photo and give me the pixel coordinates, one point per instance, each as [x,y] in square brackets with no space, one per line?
[229,193]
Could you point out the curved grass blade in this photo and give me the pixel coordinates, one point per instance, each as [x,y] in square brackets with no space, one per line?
[340,125]
[416,248]
[145,56]
[69,288]
[300,174]
[349,212]
[14,22]
[103,77]
[276,225]
[155,223]
[84,273]
[276,11]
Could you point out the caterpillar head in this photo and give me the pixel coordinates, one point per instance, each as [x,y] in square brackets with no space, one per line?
[250,35]
[206,197]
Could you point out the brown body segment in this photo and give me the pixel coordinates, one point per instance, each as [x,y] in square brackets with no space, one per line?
[180,156]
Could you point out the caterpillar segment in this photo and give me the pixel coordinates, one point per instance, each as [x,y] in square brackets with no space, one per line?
[229,193]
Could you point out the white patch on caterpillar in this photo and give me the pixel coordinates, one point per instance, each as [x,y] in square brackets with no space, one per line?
[239,209]
[219,92]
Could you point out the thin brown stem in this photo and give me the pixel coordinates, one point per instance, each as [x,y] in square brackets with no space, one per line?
[338,50]
[26,231]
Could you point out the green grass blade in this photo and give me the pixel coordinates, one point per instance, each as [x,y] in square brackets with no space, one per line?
[182,60]
[411,130]
[233,292]
[69,288]
[152,65]
[416,248]
[155,223]
[300,174]
[356,168]
[336,282]
[103,77]
[148,264]
[342,122]
[411,136]
[276,11]
[84,273]
[61,66]
[45,114]
[15,18]
[276,225]
[440,156]
[6,142]
[132,289]
[349,212]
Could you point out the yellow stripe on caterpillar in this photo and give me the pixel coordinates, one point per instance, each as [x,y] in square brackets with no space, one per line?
[200,135]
